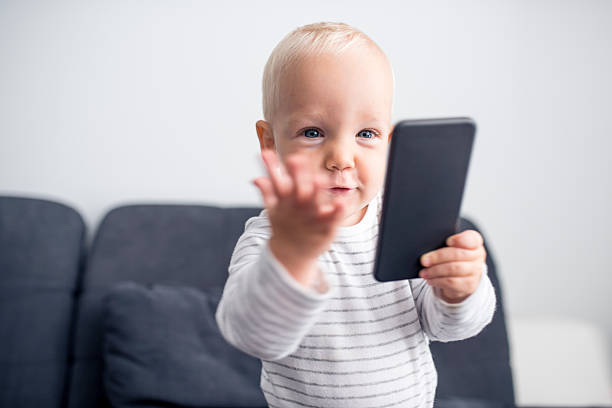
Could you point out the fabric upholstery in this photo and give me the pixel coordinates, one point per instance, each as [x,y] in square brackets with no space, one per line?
[162,345]
[41,247]
[165,244]
[478,367]
[469,403]
[41,250]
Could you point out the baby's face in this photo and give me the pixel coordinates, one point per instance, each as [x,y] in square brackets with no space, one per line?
[336,112]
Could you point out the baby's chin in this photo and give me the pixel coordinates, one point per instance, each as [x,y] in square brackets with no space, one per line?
[355,205]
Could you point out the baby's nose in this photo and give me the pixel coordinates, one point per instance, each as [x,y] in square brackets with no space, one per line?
[340,159]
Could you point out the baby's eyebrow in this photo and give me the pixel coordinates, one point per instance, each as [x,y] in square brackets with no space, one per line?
[305,118]
[318,119]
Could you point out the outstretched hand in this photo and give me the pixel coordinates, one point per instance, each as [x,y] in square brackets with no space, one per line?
[302,216]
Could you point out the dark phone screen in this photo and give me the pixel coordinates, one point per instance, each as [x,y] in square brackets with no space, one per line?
[426,173]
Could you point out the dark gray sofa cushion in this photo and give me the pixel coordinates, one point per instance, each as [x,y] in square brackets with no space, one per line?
[188,245]
[469,403]
[41,248]
[162,348]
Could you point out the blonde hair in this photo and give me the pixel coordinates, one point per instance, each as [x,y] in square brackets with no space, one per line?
[307,40]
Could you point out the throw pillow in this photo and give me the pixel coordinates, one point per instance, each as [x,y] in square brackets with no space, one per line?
[162,347]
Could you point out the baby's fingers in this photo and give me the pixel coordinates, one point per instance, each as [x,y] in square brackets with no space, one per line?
[281,183]
[469,239]
[303,185]
[451,254]
[267,191]
[450,269]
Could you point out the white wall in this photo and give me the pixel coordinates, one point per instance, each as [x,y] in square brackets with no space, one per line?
[108,102]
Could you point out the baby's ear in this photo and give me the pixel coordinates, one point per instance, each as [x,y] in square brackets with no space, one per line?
[265,135]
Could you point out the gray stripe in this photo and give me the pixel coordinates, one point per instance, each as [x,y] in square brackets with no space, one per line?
[454,313]
[349,274]
[364,346]
[376,370]
[281,289]
[333,251]
[359,242]
[422,287]
[370,296]
[250,340]
[364,334]
[360,286]
[397,403]
[245,338]
[244,256]
[241,246]
[437,334]
[367,321]
[342,385]
[346,263]
[246,331]
[255,319]
[451,316]
[355,359]
[382,394]
[274,311]
[261,223]
[365,309]
[268,392]
[246,237]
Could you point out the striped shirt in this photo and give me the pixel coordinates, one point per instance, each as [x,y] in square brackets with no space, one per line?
[362,343]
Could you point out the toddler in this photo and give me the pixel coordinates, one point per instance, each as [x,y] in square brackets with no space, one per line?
[300,294]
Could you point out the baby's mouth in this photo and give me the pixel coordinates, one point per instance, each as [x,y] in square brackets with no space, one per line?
[341,190]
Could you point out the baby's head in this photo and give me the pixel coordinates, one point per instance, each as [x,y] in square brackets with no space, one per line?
[328,96]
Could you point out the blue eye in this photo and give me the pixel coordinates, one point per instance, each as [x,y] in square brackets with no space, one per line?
[366,134]
[312,133]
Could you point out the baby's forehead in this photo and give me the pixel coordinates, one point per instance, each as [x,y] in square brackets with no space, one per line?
[378,67]
[310,43]
[367,54]
[312,87]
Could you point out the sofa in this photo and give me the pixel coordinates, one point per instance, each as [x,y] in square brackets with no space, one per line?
[128,319]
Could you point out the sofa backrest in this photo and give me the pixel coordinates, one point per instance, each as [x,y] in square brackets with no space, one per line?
[41,272]
[161,244]
[41,248]
[479,367]
[192,245]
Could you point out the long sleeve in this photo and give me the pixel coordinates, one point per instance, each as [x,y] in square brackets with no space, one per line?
[264,311]
[443,321]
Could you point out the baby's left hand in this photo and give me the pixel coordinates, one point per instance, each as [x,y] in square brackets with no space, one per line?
[454,271]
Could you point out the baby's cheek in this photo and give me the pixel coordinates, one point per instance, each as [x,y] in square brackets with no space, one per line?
[378,172]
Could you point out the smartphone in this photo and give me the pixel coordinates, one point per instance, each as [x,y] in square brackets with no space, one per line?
[426,172]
